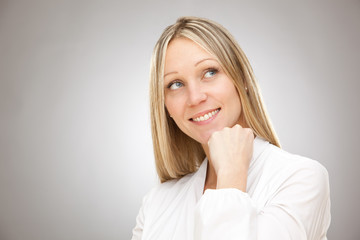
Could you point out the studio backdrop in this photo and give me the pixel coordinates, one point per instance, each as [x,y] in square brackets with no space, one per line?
[75,144]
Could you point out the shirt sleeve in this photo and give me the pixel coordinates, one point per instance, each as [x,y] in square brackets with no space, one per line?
[298,209]
[140,219]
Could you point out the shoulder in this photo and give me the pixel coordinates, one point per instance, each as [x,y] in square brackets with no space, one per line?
[297,186]
[281,158]
[285,166]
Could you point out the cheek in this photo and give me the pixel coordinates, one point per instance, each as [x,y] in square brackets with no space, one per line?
[174,108]
[234,98]
[237,109]
[228,92]
[233,101]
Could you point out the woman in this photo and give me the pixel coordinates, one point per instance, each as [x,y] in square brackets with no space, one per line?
[223,173]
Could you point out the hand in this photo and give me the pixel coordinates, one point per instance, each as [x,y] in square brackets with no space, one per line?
[230,153]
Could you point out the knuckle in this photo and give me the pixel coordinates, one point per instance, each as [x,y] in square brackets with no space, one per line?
[225,129]
[214,134]
[249,130]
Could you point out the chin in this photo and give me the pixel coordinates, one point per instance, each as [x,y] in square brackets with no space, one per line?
[204,138]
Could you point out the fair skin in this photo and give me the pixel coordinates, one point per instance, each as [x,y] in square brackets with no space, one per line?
[205,105]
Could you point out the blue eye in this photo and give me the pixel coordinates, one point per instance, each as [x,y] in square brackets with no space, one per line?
[210,73]
[175,85]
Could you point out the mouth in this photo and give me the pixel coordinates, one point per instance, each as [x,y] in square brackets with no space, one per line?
[205,116]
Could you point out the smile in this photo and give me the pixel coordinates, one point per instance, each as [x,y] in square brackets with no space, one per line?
[206,116]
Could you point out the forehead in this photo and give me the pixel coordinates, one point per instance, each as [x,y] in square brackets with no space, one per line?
[184,50]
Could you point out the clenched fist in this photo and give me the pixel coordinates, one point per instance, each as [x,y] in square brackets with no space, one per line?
[230,153]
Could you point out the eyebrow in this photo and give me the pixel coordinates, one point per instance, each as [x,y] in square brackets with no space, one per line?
[202,60]
[169,73]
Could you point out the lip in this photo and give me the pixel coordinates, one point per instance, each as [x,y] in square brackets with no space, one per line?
[203,113]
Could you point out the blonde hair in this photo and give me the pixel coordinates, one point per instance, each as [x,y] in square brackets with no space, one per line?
[176,154]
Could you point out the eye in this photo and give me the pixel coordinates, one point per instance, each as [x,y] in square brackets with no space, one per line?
[210,73]
[175,85]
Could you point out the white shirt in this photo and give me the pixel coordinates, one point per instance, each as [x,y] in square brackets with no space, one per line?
[287,197]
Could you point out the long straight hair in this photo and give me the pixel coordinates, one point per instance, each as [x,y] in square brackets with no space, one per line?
[176,154]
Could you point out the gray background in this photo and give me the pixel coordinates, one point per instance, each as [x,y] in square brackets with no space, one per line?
[75,144]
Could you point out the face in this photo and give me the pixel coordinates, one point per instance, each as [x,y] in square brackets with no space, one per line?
[199,96]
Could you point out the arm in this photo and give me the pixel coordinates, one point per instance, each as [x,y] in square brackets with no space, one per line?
[138,229]
[297,206]
[298,209]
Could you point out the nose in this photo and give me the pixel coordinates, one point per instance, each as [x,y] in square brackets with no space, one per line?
[196,95]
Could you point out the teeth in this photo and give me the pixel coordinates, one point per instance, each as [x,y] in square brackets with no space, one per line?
[206,116]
